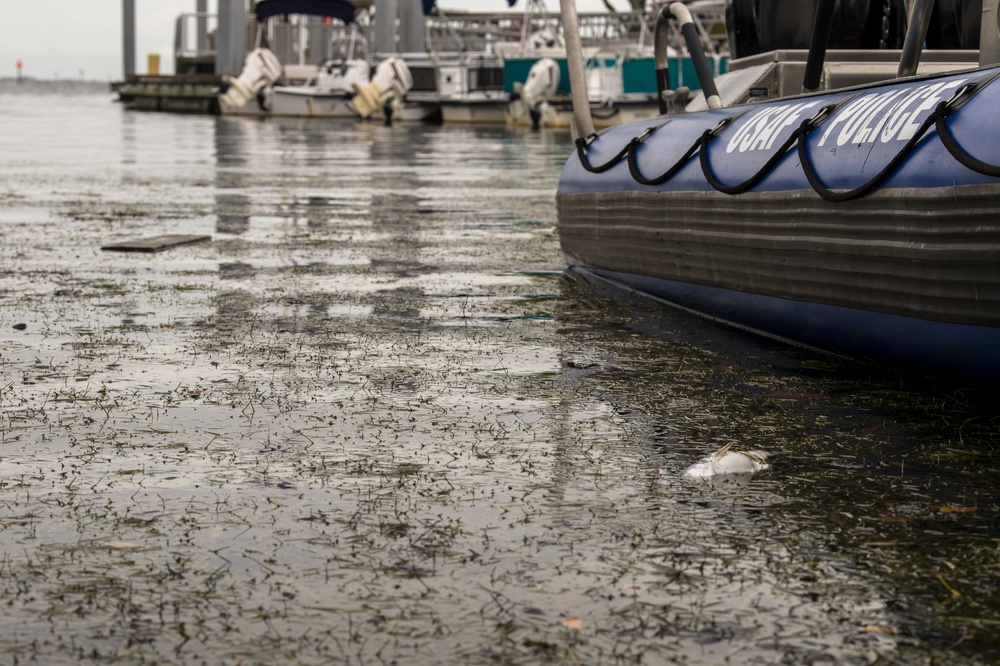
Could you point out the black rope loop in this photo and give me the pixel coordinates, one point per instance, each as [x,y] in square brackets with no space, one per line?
[937,119]
[877,179]
[633,163]
[754,179]
[581,150]
[699,144]
[805,127]
[961,155]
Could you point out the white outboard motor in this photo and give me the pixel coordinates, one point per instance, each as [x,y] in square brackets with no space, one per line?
[260,70]
[342,75]
[534,94]
[392,80]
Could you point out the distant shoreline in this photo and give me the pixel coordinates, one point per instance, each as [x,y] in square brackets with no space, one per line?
[34,79]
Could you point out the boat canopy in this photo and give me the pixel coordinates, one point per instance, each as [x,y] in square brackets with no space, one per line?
[342,10]
[429,5]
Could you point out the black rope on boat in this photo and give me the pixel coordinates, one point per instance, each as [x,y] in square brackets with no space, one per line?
[812,123]
[960,99]
[959,153]
[583,143]
[581,150]
[701,144]
[875,181]
[937,118]
[633,163]
[757,177]
[945,109]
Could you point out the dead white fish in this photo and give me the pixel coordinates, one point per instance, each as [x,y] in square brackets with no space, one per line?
[728,461]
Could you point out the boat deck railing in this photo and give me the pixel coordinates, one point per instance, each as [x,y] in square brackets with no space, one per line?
[846,68]
[472,32]
[308,40]
[779,74]
[194,42]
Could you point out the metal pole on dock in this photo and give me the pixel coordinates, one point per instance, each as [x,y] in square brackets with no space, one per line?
[989,35]
[385,26]
[128,37]
[231,41]
[201,9]
[319,41]
[411,26]
[583,122]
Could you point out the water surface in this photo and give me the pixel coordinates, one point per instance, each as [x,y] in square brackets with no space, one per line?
[371,422]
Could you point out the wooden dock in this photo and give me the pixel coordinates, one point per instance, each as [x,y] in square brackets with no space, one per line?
[180,93]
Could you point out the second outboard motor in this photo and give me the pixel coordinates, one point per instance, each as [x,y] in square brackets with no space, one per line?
[260,70]
[534,94]
[391,81]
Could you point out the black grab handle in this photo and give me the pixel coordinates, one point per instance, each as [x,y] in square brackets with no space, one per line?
[695,49]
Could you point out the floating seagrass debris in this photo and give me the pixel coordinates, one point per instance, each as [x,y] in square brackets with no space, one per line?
[155,243]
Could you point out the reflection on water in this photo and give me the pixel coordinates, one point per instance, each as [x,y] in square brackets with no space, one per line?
[371,421]
[233,213]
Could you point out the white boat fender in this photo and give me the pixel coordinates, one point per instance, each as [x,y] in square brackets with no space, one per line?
[728,461]
[391,81]
[534,94]
[261,69]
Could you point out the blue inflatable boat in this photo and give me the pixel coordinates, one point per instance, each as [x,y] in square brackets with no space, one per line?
[862,221]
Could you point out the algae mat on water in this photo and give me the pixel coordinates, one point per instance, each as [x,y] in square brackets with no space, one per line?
[370,422]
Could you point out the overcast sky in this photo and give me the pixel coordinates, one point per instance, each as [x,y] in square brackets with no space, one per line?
[71,39]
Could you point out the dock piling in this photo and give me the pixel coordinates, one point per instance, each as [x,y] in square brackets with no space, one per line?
[128,36]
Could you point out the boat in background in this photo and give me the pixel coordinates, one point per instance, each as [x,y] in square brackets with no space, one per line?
[338,87]
[860,217]
[504,83]
[620,73]
[312,56]
[471,89]
[416,98]
[621,86]
[326,94]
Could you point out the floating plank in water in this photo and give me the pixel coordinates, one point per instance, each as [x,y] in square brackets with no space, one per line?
[155,243]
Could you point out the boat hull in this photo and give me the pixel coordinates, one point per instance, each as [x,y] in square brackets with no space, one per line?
[557,116]
[304,104]
[487,110]
[908,343]
[296,102]
[907,276]
[610,114]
